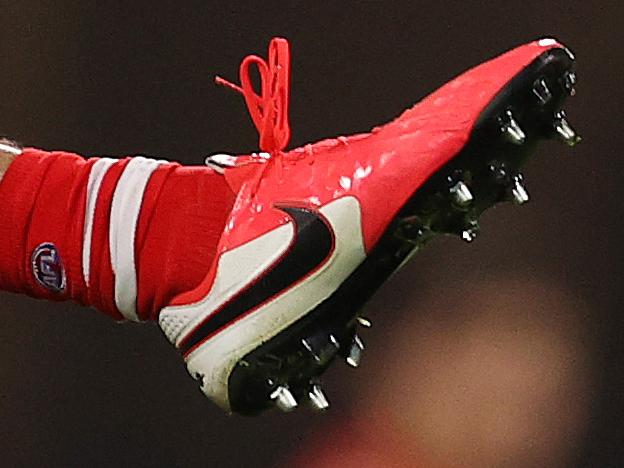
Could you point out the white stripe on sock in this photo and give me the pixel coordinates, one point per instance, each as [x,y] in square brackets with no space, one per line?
[98,171]
[125,210]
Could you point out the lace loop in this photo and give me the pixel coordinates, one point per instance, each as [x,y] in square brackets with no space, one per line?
[269,109]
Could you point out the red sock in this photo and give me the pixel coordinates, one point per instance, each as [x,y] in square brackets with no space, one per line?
[125,236]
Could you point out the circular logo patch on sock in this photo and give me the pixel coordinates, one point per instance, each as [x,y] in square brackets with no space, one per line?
[48,267]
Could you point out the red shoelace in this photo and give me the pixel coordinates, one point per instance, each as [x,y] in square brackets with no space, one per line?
[269,109]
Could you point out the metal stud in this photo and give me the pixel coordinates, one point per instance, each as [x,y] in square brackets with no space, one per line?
[311,350]
[564,130]
[461,194]
[569,81]
[318,398]
[284,399]
[511,129]
[470,232]
[498,173]
[355,353]
[410,229]
[468,235]
[540,89]
[519,193]
[364,322]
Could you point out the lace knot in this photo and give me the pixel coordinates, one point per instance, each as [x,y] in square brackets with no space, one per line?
[269,109]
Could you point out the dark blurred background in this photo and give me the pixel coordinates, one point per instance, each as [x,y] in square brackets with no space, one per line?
[507,352]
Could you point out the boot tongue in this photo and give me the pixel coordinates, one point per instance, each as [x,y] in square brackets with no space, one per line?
[239,175]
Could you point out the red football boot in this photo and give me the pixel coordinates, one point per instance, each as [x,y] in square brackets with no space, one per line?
[315,231]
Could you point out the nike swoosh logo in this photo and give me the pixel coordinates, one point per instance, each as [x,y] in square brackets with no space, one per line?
[217,356]
[312,246]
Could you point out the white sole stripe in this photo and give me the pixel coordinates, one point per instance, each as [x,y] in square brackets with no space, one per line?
[125,210]
[236,269]
[216,357]
[98,171]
